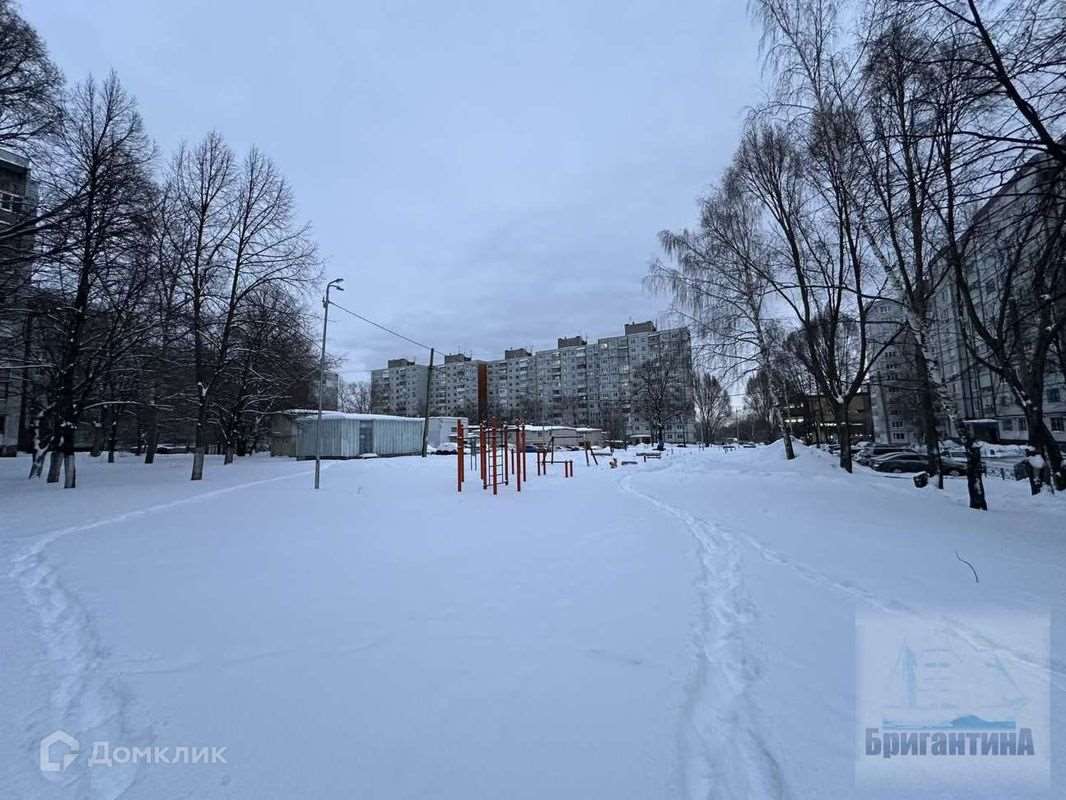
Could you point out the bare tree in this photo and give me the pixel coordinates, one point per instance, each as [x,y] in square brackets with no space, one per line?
[613,419]
[355,397]
[30,105]
[99,271]
[993,235]
[203,181]
[30,109]
[1016,50]
[241,239]
[165,305]
[806,167]
[723,285]
[713,407]
[896,133]
[271,347]
[1010,278]
[657,386]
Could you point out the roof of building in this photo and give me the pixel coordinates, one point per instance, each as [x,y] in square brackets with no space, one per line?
[313,412]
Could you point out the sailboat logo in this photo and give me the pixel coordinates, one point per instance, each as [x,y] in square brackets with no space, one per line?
[938,687]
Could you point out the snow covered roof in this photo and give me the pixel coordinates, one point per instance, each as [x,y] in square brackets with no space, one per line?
[306,412]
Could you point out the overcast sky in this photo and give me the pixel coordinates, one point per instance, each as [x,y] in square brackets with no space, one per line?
[482,174]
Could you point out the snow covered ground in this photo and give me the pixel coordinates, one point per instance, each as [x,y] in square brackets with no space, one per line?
[681,628]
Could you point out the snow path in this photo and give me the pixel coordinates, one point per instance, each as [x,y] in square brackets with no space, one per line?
[723,752]
[888,604]
[965,632]
[791,554]
[86,698]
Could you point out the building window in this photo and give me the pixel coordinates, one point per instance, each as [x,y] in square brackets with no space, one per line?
[1058,424]
[1053,395]
[10,202]
[1007,424]
[899,437]
[1022,424]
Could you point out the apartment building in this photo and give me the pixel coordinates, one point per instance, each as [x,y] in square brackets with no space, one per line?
[17,196]
[978,395]
[894,383]
[576,383]
[454,385]
[399,388]
[812,419]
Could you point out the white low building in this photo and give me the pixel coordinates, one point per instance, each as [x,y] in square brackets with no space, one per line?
[296,432]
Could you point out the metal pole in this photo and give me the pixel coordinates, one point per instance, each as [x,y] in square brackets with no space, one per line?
[460,451]
[483,442]
[425,423]
[322,377]
[495,457]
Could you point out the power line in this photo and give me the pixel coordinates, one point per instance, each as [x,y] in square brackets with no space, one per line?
[382,327]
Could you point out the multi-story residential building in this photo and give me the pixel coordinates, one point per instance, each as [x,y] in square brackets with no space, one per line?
[454,385]
[17,195]
[399,388]
[895,400]
[979,397]
[332,391]
[812,419]
[577,383]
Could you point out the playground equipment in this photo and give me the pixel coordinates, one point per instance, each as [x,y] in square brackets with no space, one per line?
[547,457]
[499,454]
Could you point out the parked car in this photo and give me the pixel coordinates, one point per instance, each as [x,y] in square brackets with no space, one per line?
[899,462]
[915,462]
[953,466]
[865,455]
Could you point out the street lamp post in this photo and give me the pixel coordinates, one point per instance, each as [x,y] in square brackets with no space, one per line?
[333,284]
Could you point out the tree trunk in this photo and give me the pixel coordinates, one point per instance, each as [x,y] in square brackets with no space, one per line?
[55,463]
[974,477]
[975,484]
[786,434]
[70,478]
[199,450]
[843,436]
[152,442]
[98,436]
[37,464]
[40,451]
[928,415]
[198,464]
[1042,440]
[70,471]
[112,438]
